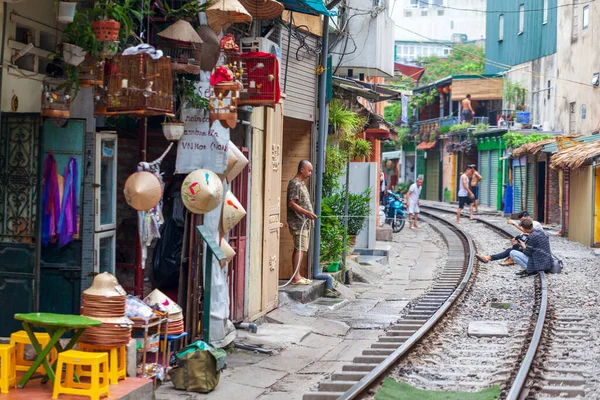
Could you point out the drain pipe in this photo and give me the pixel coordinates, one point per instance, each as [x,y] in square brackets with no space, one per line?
[594,199]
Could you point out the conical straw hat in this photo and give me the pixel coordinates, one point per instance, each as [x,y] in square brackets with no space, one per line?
[182,31]
[263,9]
[105,285]
[211,48]
[236,162]
[202,191]
[142,191]
[225,12]
[158,297]
[229,252]
[233,212]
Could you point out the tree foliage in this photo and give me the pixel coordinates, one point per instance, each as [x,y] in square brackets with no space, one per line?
[515,139]
[464,59]
[392,112]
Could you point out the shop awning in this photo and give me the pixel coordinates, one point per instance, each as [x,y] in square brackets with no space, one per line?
[426,145]
[414,73]
[553,147]
[314,7]
[391,155]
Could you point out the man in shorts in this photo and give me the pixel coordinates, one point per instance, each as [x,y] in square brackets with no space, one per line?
[475,187]
[300,217]
[465,195]
[412,202]
[467,113]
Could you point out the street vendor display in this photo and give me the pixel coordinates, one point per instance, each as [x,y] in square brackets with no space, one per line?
[105,302]
[201,191]
[158,300]
[233,212]
[56,325]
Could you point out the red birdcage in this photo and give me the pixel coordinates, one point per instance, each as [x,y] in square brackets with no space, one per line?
[259,74]
[138,85]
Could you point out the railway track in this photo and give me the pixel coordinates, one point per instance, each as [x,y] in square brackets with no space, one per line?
[357,379]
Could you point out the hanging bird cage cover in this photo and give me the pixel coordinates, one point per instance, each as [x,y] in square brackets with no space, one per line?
[182,44]
[138,85]
[226,12]
[259,74]
[56,99]
[210,47]
[263,9]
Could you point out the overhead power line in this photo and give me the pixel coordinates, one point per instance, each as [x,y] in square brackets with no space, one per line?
[500,11]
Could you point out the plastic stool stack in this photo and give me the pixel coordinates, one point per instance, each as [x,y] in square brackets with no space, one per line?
[8,373]
[117,364]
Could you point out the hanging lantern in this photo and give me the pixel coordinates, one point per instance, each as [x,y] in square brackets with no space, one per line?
[440,89]
[446,89]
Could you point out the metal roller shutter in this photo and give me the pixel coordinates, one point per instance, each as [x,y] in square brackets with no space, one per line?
[530,187]
[484,171]
[519,175]
[433,174]
[493,181]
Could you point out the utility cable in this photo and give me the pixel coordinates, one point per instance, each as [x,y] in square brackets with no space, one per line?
[434,6]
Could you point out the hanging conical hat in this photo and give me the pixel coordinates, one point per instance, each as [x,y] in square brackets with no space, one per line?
[211,47]
[229,252]
[236,162]
[158,297]
[201,191]
[105,285]
[263,9]
[142,191]
[225,12]
[233,212]
[182,31]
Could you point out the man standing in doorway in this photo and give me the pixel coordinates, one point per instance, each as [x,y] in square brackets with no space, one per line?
[412,202]
[467,113]
[465,195]
[475,187]
[299,217]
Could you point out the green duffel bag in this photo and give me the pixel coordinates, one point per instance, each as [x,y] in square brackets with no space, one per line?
[198,368]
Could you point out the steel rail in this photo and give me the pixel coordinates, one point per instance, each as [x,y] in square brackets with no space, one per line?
[386,364]
[521,378]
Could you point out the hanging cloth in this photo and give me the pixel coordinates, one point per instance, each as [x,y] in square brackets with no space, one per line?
[50,200]
[67,224]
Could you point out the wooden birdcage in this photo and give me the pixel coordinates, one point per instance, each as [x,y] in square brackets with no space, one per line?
[182,44]
[260,77]
[179,51]
[91,72]
[56,98]
[139,85]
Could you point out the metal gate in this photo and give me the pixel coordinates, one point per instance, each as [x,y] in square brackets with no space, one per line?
[484,184]
[433,175]
[19,178]
[519,188]
[494,182]
[237,240]
[530,187]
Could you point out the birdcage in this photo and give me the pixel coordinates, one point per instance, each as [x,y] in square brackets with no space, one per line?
[139,85]
[259,74]
[91,72]
[56,98]
[182,44]
[223,103]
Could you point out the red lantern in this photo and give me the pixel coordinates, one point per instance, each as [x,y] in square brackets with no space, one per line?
[447,89]
[440,90]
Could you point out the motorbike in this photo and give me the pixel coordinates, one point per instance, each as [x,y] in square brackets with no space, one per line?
[395,211]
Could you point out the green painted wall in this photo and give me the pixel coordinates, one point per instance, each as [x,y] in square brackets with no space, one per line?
[536,41]
[422,170]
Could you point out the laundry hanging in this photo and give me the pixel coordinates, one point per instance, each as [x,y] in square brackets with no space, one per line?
[50,200]
[67,223]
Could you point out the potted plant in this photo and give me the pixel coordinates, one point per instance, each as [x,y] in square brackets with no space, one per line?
[114,20]
[66,11]
[186,95]
[332,239]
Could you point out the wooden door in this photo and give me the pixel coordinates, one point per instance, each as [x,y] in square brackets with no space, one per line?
[272,197]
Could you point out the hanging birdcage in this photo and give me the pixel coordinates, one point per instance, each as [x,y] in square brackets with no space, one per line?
[91,72]
[223,103]
[56,98]
[259,74]
[182,44]
[139,85]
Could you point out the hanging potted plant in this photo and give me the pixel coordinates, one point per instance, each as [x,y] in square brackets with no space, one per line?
[66,11]
[188,97]
[114,19]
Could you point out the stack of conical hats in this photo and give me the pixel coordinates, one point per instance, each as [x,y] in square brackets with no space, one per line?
[160,301]
[105,301]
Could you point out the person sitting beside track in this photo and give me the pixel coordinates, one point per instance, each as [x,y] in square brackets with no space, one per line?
[522,216]
[535,255]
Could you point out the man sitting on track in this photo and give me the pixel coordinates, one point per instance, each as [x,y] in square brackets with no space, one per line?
[535,255]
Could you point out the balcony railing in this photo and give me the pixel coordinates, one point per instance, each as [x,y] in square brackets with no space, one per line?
[436,123]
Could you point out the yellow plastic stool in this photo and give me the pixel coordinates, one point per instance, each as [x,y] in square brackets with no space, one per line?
[98,385]
[8,373]
[117,364]
[20,339]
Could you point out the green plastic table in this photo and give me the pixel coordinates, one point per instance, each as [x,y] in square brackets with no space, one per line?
[56,325]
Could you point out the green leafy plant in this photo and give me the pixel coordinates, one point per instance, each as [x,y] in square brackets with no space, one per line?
[482,128]
[444,129]
[515,94]
[361,149]
[129,13]
[332,236]
[359,208]
[80,33]
[460,127]
[462,60]
[187,11]
[515,139]
[335,165]
[392,112]
[403,187]
[344,120]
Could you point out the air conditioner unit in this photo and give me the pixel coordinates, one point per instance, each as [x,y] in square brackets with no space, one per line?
[261,44]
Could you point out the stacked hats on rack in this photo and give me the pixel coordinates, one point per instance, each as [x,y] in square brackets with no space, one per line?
[159,301]
[105,301]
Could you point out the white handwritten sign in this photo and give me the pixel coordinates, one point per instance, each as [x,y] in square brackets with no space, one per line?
[202,146]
